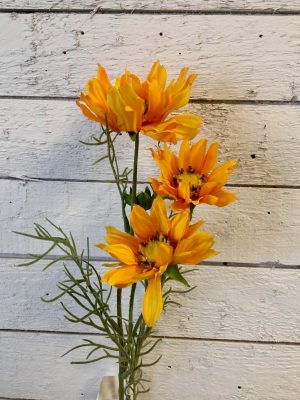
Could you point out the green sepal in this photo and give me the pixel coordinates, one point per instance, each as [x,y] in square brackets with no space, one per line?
[143,199]
[132,135]
[173,272]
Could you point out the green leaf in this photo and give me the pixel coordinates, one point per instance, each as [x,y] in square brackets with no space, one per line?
[173,272]
[127,197]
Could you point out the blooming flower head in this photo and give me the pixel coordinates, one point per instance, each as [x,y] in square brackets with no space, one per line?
[134,106]
[158,243]
[192,177]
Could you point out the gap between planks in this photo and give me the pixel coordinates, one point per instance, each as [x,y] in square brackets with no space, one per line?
[230,185]
[177,338]
[192,101]
[266,265]
[99,10]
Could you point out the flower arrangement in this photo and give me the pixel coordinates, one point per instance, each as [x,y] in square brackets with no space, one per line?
[159,238]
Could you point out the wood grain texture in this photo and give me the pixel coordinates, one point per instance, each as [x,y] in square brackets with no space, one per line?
[135,5]
[46,145]
[234,303]
[208,370]
[262,226]
[47,54]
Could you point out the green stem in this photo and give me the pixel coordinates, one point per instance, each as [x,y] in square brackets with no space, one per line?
[133,201]
[121,363]
[135,168]
[115,170]
[192,206]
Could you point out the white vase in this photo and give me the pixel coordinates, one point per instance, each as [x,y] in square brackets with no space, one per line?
[108,389]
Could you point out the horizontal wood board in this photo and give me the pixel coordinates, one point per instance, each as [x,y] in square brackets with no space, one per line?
[48,54]
[264,223]
[154,5]
[209,370]
[265,138]
[257,304]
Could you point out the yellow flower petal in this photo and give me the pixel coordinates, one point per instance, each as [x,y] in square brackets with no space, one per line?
[184,191]
[159,252]
[179,225]
[220,174]
[153,301]
[194,249]
[183,157]
[114,236]
[159,216]
[120,252]
[122,277]
[210,159]
[224,197]
[142,223]
[193,228]
[197,155]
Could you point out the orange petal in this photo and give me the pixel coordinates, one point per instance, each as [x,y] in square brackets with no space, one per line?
[207,188]
[120,252]
[179,225]
[193,228]
[179,205]
[141,223]
[224,197]
[184,191]
[159,216]
[220,174]
[122,277]
[197,155]
[210,159]
[153,301]
[183,157]
[114,236]
[194,249]
[209,199]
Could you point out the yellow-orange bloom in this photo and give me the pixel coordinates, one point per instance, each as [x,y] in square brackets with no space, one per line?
[192,177]
[158,242]
[134,106]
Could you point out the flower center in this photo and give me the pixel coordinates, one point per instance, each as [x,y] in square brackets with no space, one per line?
[194,180]
[155,252]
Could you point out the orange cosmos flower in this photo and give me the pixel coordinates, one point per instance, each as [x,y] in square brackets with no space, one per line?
[134,106]
[158,243]
[192,177]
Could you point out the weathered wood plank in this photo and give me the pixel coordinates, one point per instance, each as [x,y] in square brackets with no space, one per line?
[31,367]
[238,57]
[231,5]
[257,304]
[47,146]
[262,226]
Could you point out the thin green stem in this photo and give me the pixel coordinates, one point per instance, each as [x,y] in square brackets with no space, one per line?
[115,170]
[192,207]
[135,168]
[121,363]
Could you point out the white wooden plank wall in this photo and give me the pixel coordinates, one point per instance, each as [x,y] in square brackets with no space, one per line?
[237,336]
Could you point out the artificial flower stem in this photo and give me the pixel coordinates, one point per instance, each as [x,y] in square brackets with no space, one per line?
[135,169]
[133,201]
[192,206]
[121,364]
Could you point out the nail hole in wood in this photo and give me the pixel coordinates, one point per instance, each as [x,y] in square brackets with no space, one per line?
[160,33]
[253,155]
